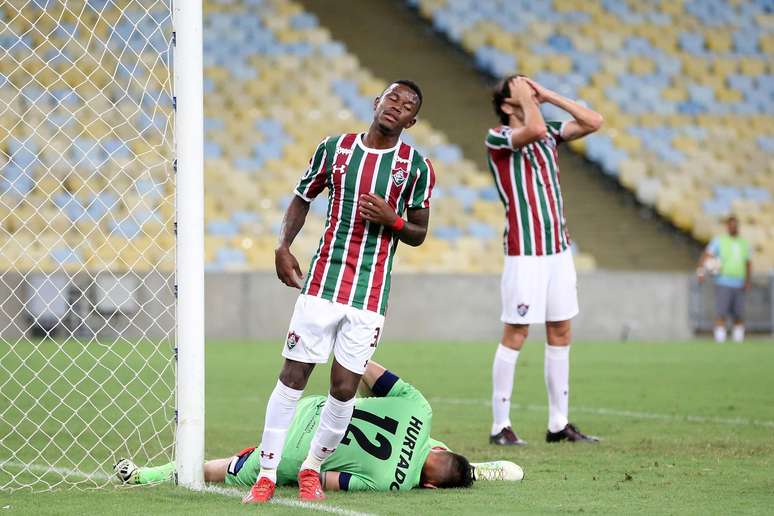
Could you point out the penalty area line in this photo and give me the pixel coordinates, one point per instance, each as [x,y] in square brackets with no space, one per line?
[209,488]
[739,421]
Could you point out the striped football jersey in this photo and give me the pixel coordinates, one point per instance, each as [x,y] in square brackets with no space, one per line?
[527,180]
[353,261]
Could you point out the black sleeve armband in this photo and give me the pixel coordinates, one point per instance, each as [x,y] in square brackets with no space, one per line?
[384,384]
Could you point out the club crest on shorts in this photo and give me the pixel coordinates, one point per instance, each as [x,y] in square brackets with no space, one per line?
[293,339]
[400,172]
[522,309]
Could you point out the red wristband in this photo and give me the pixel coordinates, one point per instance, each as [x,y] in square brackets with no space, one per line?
[398,224]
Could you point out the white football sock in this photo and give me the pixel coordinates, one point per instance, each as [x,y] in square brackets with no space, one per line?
[279,414]
[720,333]
[738,333]
[334,420]
[557,376]
[503,371]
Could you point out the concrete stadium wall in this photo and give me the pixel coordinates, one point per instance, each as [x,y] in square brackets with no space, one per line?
[614,306]
[152,318]
[451,307]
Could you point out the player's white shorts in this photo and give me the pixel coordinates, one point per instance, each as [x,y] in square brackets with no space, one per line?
[536,289]
[319,326]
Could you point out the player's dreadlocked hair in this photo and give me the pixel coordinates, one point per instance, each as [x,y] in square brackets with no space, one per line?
[501,92]
[460,472]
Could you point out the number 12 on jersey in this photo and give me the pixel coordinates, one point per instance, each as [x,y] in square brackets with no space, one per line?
[382,449]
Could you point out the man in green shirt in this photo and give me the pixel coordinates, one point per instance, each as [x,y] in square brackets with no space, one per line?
[728,258]
[387,447]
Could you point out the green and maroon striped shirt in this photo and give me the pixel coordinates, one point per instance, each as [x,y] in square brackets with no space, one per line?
[527,180]
[353,262]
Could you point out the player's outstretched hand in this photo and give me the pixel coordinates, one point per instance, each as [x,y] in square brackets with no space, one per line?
[374,208]
[288,270]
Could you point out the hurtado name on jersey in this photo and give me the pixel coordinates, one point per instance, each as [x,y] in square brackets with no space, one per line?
[353,261]
[406,452]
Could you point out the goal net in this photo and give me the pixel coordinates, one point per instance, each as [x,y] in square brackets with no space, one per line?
[87,240]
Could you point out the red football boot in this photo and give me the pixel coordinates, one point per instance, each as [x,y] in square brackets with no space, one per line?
[261,492]
[309,487]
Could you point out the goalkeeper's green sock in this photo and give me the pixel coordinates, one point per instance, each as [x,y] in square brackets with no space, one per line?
[155,474]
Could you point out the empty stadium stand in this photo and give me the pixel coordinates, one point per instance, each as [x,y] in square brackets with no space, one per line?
[276,82]
[686,88]
[689,117]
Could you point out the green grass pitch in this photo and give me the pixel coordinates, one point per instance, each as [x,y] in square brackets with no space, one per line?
[686,428]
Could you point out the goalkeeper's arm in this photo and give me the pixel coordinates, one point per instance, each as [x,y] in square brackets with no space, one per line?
[373,372]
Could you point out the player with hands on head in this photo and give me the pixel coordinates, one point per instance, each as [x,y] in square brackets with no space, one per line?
[538,284]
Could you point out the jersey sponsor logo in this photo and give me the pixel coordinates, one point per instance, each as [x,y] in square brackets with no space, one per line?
[406,452]
[522,309]
[400,171]
[293,339]
[341,160]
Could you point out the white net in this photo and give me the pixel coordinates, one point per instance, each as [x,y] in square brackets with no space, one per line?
[87,304]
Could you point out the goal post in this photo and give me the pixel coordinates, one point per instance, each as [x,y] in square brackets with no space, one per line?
[189,133]
[101,240]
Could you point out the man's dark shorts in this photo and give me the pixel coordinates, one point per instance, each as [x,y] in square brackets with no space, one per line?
[729,302]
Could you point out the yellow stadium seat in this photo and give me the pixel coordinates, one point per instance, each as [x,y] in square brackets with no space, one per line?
[560,64]
[631,172]
[718,40]
[752,66]
[641,66]
[675,94]
[728,95]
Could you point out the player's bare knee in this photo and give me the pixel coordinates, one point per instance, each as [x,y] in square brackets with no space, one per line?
[344,388]
[514,335]
[559,333]
[295,374]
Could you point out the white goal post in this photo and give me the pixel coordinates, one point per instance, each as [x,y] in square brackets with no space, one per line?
[190,243]
[101,240]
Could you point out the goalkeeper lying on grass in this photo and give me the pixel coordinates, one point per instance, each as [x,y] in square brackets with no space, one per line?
[387,448]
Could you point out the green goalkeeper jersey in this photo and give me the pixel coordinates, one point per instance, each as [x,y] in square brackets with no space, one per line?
[384,449]
[385,446]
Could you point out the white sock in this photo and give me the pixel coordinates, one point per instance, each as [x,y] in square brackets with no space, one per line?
[503,371]
[557,376]
[279,414]
[334,420]
[738,333]
[720,333]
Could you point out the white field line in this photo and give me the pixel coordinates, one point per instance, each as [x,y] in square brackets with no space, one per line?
[286,502]
[65,472]
[739,421]
[210,488]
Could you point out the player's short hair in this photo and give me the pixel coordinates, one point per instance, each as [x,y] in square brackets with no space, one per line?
[459,473]
[413,87]
[501,92]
